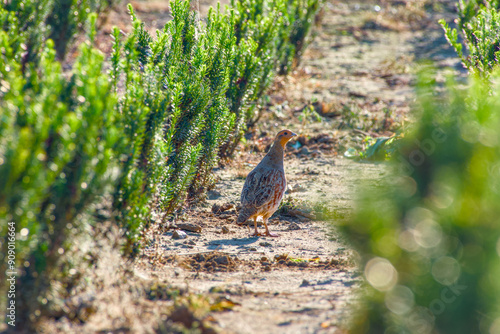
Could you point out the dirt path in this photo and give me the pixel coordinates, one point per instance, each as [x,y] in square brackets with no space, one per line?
[293,296]
[356,74]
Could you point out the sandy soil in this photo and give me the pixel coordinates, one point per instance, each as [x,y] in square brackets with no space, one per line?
[357,75]
[307,291]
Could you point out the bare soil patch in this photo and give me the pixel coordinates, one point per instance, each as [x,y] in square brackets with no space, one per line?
[357,76]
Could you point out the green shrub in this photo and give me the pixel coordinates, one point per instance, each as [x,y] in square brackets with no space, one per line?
[136,142]
[58,143]
[479,23]
[257,25]
[69,17]
[200,85]
[30,23]
[300,16]
[428,236]
[130,201]
[269,37]
[24,24]
[177,84]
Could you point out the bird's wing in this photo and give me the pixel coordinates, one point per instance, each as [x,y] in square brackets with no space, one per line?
[261,185]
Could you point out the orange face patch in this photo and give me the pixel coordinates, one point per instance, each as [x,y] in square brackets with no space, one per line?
[284,136]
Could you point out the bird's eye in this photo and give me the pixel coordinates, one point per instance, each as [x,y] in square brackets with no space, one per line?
[285,133]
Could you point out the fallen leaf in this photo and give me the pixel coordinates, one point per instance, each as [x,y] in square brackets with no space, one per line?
[223,304]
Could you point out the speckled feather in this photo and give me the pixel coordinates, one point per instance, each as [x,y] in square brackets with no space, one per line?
[265,185]
[262,192]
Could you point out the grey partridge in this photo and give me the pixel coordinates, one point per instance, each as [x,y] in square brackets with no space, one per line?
[265,185]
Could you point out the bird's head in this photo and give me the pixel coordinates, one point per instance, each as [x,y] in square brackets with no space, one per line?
[284,136]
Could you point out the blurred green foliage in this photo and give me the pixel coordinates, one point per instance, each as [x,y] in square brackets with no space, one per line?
[30,23]
[58,140]
[299,15]
[374,149]
[175,111]
[69,17]
[479,23]
[428,235]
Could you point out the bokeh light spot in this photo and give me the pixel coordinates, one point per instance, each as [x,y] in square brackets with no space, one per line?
[407,241]
[446,270]
[420,320]
[428,233]
[381,274]
[495,327]
[407,185]
[400,300]
[488,137]
[470,131]
[442,195]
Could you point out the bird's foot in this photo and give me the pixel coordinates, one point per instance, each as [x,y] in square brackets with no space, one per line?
[269,234]
[255,234]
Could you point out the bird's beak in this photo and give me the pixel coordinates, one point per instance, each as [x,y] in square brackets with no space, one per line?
[293,134]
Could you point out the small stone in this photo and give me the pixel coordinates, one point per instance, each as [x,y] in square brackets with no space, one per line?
[179,235]
[303,264]
[216,208]
[299,188]
[222,260]
[265,244]
[296,188]
[252,249]
[316,153]
[213,194]
[267,268]
[305,283]
[189,227]
[304,151]
[216,289]
[226,206]
[293,227]
[225,230]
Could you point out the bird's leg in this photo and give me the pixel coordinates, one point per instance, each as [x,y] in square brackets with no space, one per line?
[256,233]
[269,234]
